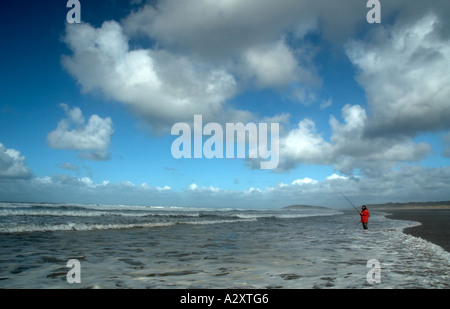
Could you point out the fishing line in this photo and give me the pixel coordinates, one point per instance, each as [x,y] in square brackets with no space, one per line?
[350,203]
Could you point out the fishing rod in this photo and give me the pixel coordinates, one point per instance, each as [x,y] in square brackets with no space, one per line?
[350,202]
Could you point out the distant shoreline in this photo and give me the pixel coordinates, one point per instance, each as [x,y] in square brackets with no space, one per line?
[388,206]
[446,207]
[411,206]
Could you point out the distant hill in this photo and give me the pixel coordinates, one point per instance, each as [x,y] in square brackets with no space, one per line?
[304,207]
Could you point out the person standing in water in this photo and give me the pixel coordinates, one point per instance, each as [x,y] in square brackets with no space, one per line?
[364,216]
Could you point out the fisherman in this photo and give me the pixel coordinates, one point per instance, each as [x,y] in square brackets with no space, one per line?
[364,216]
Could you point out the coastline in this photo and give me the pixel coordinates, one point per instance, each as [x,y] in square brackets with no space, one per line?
[434,223]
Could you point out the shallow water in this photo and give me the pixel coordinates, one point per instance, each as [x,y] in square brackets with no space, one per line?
[170,247]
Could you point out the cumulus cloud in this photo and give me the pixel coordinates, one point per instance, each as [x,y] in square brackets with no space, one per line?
[195,188]
[12,164]
[65,188]
[352,149]
[192,68]
[336,177]
[398,185]
[264,64]
[203,53]
[73,133]
[394,185]
[405,70]
[159,86]
[217,29]
[260,66]
[304,181]
[348,148]
[304,145]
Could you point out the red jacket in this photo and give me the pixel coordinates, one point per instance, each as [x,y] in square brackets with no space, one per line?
[365,216]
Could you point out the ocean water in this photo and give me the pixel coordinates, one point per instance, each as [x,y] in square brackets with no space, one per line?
[200,248]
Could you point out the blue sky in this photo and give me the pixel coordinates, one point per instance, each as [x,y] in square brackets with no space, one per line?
[86,109]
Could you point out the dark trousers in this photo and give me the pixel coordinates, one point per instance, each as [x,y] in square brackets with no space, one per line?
[364,224]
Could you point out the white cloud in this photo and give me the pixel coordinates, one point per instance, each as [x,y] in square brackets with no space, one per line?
[304,181]
[348,148]
[352,149]
[159,86]
[164,188]
[253,190]
[69,189]
[73,133]
[195,188]
[405,70]
[404,184]
[217,29]
[303,145]
[262,64]
[193,68]
[204,52]
[12,164]
[336,177]
[407,183]
[88,182]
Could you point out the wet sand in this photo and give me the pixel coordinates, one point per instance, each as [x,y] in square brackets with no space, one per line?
[435,224]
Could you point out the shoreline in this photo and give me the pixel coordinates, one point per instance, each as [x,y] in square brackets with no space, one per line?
[434,223]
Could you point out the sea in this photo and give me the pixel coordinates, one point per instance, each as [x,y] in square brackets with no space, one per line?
[67,246]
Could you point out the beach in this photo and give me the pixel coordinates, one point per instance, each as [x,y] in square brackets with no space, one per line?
[434,224]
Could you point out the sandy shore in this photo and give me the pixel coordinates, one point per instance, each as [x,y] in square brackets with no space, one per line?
[435,224]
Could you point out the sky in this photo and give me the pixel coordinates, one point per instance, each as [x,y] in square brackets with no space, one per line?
[87,109]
